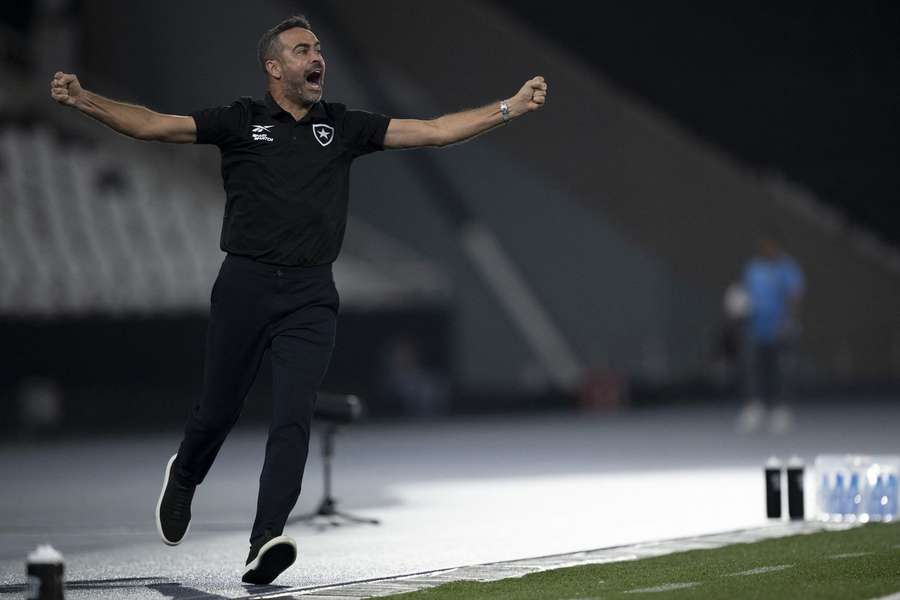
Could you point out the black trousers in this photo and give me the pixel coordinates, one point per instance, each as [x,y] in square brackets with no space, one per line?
[292,312]
[770,366]
[765,376]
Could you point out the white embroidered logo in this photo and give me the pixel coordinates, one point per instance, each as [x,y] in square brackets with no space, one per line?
[323,133]
[259,133]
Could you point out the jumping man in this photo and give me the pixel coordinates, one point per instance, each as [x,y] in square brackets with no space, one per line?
[285,165]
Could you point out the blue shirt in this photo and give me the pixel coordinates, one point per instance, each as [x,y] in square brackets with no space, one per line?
[771,284]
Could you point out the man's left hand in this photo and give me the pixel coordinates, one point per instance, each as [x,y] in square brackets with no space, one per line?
[531,97]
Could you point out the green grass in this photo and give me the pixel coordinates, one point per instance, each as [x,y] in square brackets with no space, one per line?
[814,573]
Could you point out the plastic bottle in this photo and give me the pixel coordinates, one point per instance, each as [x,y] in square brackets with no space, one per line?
[824,497]
[874,505]
[795,488]
[773,488]
[890,512]
[44,574]
[838,496]
[854,497]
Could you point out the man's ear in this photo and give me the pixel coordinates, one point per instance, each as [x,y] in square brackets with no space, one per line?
[273,67]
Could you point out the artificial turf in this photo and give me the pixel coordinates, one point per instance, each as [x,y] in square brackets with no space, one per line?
[862,562]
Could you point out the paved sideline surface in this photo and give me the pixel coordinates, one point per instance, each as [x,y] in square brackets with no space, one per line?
[449,494]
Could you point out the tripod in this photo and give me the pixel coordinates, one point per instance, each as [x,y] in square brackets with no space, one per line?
[328,506]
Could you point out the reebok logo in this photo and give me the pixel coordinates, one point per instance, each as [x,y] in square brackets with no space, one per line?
[260,133]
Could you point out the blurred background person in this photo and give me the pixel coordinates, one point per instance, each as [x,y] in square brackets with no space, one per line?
[774,284]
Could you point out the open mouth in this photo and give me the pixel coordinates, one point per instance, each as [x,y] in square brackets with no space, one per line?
[314,78]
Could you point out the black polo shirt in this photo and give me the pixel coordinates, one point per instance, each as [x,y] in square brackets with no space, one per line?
[287,182]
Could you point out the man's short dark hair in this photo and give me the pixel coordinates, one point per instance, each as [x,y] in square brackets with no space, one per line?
[268,43]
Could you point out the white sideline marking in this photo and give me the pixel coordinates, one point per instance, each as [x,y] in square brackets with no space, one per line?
[760,570]
[664,587]
[849,555]
[891,597]
[586,557]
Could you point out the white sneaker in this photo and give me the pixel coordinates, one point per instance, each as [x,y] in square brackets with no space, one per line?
[268,558]
[781,420]
[751,417]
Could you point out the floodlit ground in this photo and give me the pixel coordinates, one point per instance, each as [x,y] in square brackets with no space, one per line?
[860,563]
[453,493]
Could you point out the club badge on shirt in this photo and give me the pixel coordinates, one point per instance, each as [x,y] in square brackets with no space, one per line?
[323,133]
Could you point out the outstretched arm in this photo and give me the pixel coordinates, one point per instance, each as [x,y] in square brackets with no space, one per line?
[134,121]
[459,127]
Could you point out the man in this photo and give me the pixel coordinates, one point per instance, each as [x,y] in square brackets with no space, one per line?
[285,164]
[773,282]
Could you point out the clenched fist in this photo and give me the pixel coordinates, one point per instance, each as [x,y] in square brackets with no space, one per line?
[65,89]
[531,97]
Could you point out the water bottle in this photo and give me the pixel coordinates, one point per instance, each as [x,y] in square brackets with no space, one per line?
[854,497]
[795,488]
[773,488]
[875,503]
[824,495]
[44,574]
[838,495]
[891,508]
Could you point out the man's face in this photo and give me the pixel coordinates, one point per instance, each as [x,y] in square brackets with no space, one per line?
[302,65]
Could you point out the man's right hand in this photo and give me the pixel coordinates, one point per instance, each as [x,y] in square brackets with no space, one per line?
[137,122]
[65,89]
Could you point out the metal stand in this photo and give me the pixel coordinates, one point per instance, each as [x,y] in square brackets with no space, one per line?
[327,510]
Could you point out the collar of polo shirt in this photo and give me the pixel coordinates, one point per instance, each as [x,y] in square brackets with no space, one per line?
[316,112]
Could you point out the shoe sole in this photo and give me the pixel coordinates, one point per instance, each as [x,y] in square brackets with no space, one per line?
[165,540]
[274,557]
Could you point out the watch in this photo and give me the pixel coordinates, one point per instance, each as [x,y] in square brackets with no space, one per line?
[504,110]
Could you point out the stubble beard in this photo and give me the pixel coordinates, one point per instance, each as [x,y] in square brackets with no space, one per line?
[297,93]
